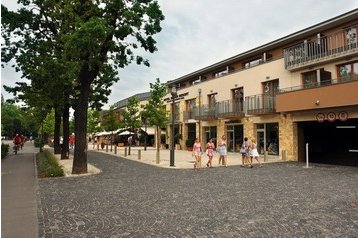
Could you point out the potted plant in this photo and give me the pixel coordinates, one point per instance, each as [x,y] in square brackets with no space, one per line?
[189,144]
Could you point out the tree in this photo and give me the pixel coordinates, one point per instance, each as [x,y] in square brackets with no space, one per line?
[131,117]
[92,38]
[155,112]
[110,123]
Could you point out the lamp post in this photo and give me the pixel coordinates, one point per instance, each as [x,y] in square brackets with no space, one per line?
[145,135]
[174,94]
[199,91]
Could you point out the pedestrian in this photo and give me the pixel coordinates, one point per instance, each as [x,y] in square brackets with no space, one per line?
[254,153]
[197,153]
[210,146]
[223,151]
[244,151]
[72,141]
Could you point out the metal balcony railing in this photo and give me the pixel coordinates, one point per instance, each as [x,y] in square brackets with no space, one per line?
[230,108]
[321,48]
[260,104]
[345,79]
[206,112]
[188,115]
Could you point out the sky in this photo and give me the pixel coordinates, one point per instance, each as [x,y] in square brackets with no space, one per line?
[199,33]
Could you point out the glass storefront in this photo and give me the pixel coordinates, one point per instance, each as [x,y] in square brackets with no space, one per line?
[267,138]
[234,137]
[210,133]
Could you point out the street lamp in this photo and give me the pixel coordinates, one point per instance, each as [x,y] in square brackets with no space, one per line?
[199,91]
[174,94]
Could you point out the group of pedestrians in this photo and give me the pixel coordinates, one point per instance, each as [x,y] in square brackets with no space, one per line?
[248,152]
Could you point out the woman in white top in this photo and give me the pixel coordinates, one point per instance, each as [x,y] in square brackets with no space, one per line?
[254,153]
[223,151]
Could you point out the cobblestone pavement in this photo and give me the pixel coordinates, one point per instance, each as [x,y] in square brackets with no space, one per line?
[130,199]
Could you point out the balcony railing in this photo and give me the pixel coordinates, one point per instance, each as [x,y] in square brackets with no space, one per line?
[260,104]
[347,78]
[189,115]
[230,108]
[206,112]
[320,49]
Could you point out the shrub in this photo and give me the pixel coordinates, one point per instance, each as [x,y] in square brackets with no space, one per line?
[4,150]
[38,143]
[47,165]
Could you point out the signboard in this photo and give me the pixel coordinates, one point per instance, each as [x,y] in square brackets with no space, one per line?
[332,116]
[320,117]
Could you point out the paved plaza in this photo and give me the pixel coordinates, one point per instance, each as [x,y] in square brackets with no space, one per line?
[132,199]
[135,199]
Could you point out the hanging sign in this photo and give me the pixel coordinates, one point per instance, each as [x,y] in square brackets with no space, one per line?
[343,116]
[320,117]
[331,116]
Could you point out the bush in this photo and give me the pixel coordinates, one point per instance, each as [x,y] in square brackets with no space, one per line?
[4,150]
[38,143]
[47,165]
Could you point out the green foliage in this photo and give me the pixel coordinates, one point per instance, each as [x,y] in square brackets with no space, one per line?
[47,165]
[154,110]
[110,122]
[4,150]
[16,120]
[131,116]
[38,143]
[93,121]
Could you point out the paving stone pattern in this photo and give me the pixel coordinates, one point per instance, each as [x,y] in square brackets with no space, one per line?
[131,199]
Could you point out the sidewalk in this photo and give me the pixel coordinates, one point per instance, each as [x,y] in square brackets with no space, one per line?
[183,159]
[18,193]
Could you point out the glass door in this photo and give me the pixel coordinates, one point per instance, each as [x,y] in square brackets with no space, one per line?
[230,139]
[261,141]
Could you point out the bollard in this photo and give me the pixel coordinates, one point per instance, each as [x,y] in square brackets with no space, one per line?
[125,151]
[98,146]
[115,149]
[265,156]
[139,154]
[106,147]
[284,155]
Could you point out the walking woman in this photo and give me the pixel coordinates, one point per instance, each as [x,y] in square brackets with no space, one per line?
[254,153]
[210,153]
[223,151]
[197,153]
[244,151]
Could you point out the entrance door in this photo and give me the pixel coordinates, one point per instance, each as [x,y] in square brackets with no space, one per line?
[261,142]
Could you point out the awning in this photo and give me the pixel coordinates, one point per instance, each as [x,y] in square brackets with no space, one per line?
[125,133]
[150,130]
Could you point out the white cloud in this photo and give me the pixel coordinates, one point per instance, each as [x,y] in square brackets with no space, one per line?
[199,33]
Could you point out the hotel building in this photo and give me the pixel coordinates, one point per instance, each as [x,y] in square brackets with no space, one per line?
[299,90]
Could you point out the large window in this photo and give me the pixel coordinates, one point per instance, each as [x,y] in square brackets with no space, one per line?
[348,72]
[309,79]
[238,99]
[267,138]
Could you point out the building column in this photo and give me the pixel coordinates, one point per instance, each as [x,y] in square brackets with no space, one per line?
[288,137]
[249,127]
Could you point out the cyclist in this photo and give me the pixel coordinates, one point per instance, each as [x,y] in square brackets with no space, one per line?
[17,141]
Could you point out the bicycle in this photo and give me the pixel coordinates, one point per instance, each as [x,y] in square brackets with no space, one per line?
[16,148]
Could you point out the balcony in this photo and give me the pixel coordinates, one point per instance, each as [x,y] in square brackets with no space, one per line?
[320,50]
[189,115]
[230,108]
[260,104]
[332,93]
[206,113]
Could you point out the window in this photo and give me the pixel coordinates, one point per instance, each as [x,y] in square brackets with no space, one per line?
[212,100]
[271,88]
[348,72]
[190,104]
[309,79]
[351,35]
[238,99]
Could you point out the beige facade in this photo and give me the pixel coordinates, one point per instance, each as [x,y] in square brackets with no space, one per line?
[269,92]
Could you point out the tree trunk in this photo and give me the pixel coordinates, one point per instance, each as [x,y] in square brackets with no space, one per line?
[81,108]
[66,131]
[158,145]
[56,137]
